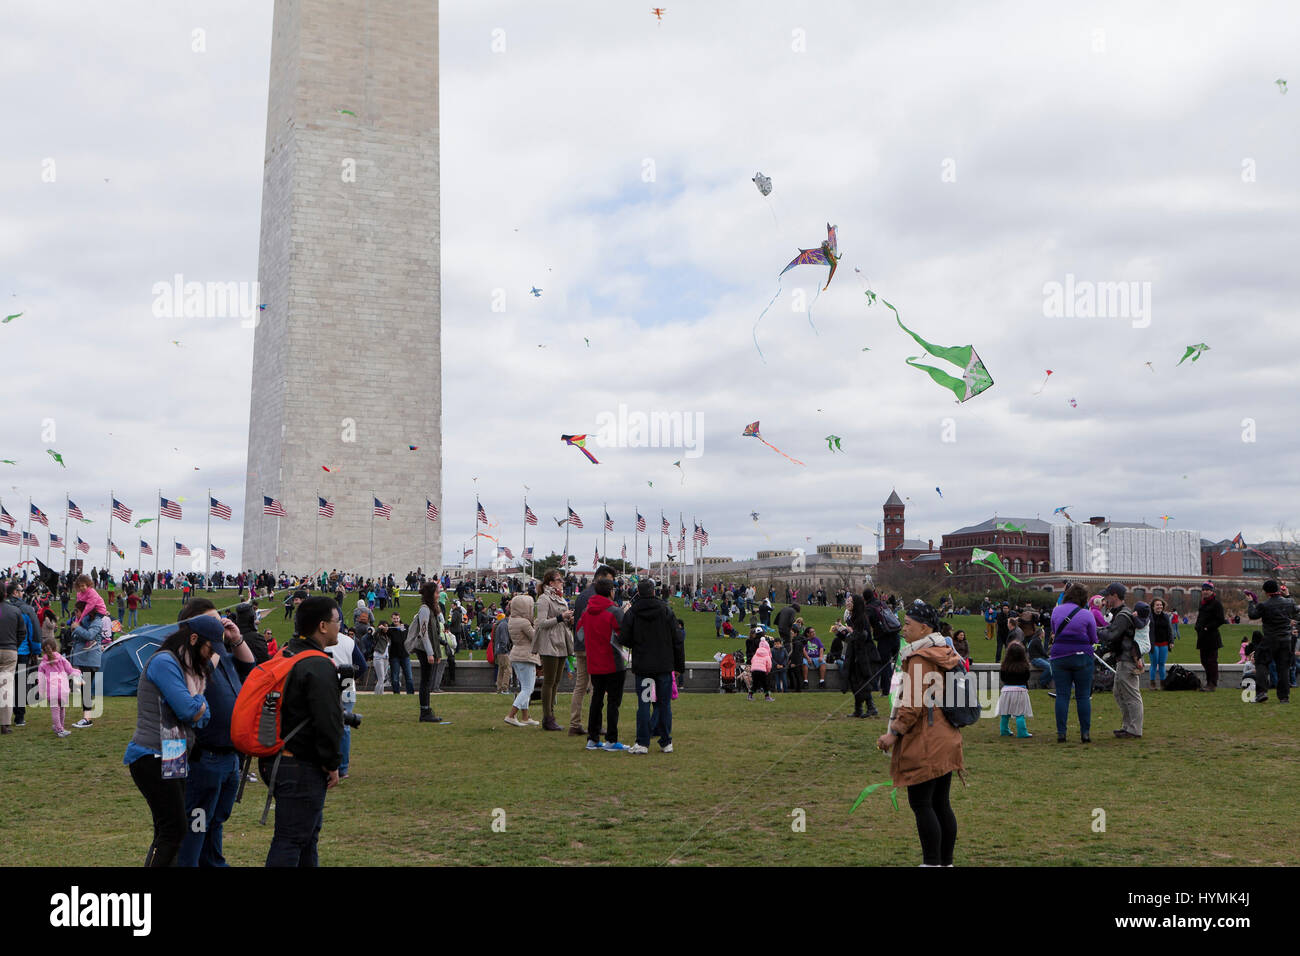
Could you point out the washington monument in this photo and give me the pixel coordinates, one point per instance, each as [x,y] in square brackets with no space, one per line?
[347,354]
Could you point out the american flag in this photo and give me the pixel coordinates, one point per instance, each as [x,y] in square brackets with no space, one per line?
[609,522]
[528,553]
[430,510]
[218,552]
[122,513]
[324,509]
[171,509]
[6,517]
[529,517]
[82,546]
[144,547]
[382,510]
[624,550]
[699,534]
[482,515]
[468,552]
[55,541]
[217,509]
[574,519]
[595,559]
[681,542]
[74,511]
[509,554]
[115,549]
[12,537]
[35,542]
[640,522]
[39,516]
[704,536]
[667,528]
[181,550]
[272,506]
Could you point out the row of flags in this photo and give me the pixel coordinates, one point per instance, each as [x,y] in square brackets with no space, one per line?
[167,507]
[29,538]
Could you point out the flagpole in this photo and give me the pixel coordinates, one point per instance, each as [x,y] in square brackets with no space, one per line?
[604,535]
[568,508]
[373,499]
[476,507]
[277,549]
[108,559]
[157,541]
[636,557]
[525,551]
[207,551]
[261,525]
[315,544]
[66,498]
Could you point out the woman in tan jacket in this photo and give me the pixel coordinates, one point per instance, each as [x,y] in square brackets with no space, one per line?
[926,747]
[554,641]
[523,661]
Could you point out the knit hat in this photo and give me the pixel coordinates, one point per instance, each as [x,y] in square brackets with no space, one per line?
[925,614]
[1207,586]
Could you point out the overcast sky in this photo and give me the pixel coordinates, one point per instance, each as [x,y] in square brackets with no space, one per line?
[969,157]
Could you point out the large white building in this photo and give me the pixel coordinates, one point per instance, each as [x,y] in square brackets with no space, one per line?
[1121,548]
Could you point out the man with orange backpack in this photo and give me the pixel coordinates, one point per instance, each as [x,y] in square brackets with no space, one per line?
[310,724]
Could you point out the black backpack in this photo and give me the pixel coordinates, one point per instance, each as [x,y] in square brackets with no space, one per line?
[1180,678]
[960,700]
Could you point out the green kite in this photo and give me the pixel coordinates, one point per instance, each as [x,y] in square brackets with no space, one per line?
[975,377]
[1008,526]
[991,561]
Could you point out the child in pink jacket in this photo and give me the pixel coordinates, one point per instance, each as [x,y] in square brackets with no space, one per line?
[760,666]
[55,671]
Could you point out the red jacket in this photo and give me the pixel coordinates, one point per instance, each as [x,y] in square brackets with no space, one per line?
[598,625]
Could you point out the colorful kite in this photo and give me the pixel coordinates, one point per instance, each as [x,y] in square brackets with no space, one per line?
[764,183]
[1008,526]
[833,440]
[659,13]
[1281,86]
[1044,385]
[826,254]
[262,307]
[56,456]
[947,567]
[7,461]
[1061,511]
[991,561]
[1166,519]
[536,292]
[1194,351]
[936,488]
[678,466]
[751,431]
[10,318]
[1073,403]
[413,447]
[327,468]
[975,377]
[579,442]
[177,343]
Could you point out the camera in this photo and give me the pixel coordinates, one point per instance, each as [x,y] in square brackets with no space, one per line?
[352,720]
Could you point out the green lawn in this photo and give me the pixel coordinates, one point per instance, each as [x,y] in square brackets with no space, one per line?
[1209,780]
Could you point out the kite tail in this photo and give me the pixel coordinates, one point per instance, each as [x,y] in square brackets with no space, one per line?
[760,319]
[772,210]
[867,791]
[810,308]
[779,451]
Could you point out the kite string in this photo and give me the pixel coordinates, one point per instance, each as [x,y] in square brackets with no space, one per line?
[760,319]
[810,308]
[772,210]
[778,451]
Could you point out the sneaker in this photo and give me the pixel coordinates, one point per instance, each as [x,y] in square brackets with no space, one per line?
[638,749]
[515,723]
[63,733]
[615,746]
[593,745]
[769,698]
[531,723]
[252,777]
[20,722]
[83,723]
[1051,693]
[751,696]
[821,683]
[666,748]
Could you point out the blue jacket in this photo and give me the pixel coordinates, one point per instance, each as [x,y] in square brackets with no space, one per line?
[222,689]
[29,631]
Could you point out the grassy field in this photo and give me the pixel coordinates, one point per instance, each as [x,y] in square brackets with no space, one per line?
[426,794]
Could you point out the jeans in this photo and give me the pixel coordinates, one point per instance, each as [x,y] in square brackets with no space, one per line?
[1278,659]
[780,678]
[656,716]
[605,686]
[1045,679]
[936,824]
[380,663]
[211,787]
[1074,671]
[1159,654]
[349,702]
[426,677]
[133,618]
[166,799]
[526,675]
[401,665]
[299,811]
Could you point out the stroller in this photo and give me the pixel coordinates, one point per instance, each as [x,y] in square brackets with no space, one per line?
[727,674]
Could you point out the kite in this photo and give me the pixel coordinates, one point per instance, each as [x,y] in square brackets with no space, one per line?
[975,377]
[764,183]
[754,515]
[650,483]
[678,466]
[868,791]
[326,468]
[1008,526]
[751,431]
[1281,86]
[1044,385]
[347,113]
[936,488]
[413,447]
[55,455]
[144,521]
[587,340]
[579,442]
[1194,351]
[833,440]
[262,307]
[536,292]
[947,567]
[991,561]
[1166,519]
[1061,511]
[1073,403]
[7,461]
[1150,366]
[866,348]
[10,318]
[659,13]
[177,344]
[826,254]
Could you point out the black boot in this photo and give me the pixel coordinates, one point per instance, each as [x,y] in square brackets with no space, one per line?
[427,716]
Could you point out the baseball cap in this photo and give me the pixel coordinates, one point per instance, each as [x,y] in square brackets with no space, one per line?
[1116,589]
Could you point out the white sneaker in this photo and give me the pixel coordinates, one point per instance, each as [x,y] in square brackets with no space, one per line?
[514,723]
[666,750]
[638,749]
[83,722]
[531,723]
[63,733]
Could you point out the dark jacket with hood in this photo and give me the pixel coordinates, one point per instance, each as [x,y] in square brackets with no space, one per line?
[650,632]
[1209,618]
[1277,613]
[1117,636]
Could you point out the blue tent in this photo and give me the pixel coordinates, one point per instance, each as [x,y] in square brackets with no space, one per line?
[126,657]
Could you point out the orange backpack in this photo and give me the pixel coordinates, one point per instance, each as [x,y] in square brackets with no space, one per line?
[255,722]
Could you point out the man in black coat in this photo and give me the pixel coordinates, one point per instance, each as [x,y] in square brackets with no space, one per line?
[785,622]
[658,648]
[1209,618]
[1277,611]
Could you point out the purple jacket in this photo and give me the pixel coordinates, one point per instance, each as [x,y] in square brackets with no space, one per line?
[1079,637]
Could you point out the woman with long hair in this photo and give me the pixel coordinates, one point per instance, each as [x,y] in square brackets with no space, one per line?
[554,641]
[428,641]
[861,659]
